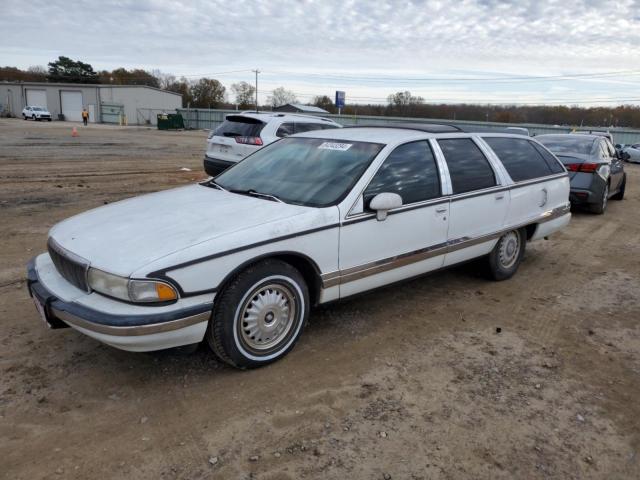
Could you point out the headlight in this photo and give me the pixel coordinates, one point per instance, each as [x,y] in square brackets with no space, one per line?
[142,291]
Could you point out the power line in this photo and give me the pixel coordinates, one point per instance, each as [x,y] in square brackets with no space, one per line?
[501,79]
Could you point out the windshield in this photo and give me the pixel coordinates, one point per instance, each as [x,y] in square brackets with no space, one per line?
[239,127]
[560,144]
[305,171]
[37,109]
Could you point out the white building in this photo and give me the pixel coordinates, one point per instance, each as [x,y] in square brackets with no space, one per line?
[106,103]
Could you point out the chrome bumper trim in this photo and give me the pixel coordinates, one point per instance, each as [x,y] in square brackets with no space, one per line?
[132,331]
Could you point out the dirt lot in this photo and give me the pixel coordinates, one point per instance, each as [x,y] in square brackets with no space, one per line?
[410,382]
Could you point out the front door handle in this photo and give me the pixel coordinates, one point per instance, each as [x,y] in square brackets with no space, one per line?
[499,196]
[441,210]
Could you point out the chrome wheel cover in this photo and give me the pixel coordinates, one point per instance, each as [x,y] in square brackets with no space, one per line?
[266,316]
[509,249]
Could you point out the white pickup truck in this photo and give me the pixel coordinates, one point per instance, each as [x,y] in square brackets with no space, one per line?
[238,261]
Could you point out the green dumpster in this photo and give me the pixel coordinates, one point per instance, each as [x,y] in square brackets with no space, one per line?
[170,121]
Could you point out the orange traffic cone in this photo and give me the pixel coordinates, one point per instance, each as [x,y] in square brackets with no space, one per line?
[74,132]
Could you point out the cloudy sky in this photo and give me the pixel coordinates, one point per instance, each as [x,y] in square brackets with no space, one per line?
[454,51]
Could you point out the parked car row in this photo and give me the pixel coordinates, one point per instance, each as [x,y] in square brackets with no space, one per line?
[239,259]
[595,167]
[630,153]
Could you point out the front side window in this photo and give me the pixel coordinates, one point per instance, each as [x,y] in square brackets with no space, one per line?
[468,167]
[410,171]
[315,172]
[519,157]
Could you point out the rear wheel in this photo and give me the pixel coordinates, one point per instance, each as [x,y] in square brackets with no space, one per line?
[601,206]
[620,194]
[505,258]
[259,316]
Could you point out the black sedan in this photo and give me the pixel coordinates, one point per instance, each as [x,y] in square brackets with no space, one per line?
[595,168]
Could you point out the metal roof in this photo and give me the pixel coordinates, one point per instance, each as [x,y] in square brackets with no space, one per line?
[83,85]
[306,108]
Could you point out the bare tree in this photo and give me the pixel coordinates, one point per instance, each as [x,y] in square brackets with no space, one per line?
[208,93]
[164,79]
[244,93]
[324,102]
[280,96]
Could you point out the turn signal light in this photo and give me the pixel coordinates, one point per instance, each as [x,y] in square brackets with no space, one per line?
[165,292]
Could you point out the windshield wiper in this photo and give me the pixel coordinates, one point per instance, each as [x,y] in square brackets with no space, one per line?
[254,193]
[212,183]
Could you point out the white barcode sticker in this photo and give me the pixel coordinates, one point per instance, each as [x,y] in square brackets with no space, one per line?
[343,147]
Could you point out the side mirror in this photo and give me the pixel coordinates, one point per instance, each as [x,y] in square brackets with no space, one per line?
[383,202]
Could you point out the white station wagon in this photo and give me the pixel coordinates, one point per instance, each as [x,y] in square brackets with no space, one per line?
[238,261]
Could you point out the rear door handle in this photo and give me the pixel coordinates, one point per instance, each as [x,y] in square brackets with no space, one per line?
[499,196]
[545,197]
[441,210]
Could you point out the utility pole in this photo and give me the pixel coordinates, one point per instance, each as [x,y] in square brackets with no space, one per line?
[256,71]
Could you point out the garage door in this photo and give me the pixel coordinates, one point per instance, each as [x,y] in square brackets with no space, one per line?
[36,98]
[71,105]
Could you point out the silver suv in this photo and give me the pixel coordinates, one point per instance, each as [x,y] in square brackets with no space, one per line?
[242,134]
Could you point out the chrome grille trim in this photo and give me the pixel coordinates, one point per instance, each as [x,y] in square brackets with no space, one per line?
[73,268]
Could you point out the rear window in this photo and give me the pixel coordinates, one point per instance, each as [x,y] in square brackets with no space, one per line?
[239,127]
[560,144]
[519,157]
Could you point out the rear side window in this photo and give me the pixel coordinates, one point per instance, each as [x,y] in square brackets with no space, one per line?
[410,171]
[307,127]
[554,164]
[239,127]
[285,130]
[519,157]
[468,167]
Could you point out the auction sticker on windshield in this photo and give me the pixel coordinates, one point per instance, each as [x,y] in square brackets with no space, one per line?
[343,147]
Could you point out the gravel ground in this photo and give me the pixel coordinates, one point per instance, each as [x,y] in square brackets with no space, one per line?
[410,382]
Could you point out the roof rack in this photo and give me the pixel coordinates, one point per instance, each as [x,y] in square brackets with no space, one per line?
[422,127]
[440,128]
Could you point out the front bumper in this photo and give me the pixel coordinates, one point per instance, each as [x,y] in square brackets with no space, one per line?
[127,331]
[215,166]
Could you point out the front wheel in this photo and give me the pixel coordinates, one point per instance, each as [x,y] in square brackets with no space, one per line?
[259,316]
[505,258]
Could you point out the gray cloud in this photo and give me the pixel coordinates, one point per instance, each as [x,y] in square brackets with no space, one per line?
[391,38]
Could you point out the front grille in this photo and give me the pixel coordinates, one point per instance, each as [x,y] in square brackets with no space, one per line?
[72,268]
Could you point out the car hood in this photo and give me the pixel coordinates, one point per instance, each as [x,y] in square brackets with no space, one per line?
[124,236]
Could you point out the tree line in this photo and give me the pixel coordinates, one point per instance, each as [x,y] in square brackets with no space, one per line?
[210,93]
